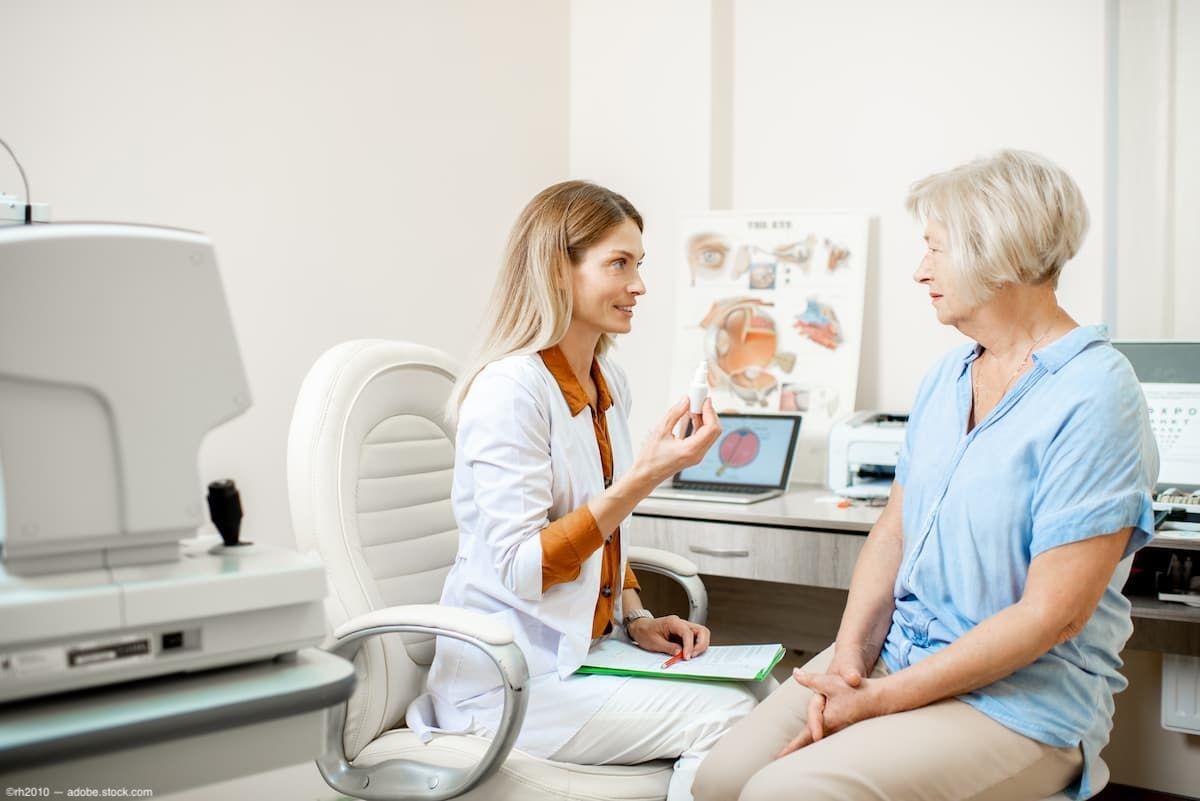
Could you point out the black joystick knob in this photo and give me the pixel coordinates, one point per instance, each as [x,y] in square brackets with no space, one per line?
[225,509]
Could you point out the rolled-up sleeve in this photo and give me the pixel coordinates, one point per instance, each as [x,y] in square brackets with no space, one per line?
[1097,477]
[504,440]
[566,545]
[630,582]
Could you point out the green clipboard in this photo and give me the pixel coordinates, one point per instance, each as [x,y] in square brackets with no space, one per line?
[616,658]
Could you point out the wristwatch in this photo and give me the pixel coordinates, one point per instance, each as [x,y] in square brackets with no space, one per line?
[636,614]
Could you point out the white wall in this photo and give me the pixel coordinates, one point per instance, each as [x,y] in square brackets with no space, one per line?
[1185,186]
[640,124]
[1144,306]
[1158,197]
[844,105]
[357,166]
[822,105]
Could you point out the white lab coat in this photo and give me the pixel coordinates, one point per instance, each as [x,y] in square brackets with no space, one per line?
[521,461]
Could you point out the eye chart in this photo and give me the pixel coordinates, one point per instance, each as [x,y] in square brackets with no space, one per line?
[1175,419]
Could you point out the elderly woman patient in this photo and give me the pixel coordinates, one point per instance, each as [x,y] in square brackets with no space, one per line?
[977,656]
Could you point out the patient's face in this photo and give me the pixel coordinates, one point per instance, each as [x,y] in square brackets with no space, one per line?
[606,282]
[936,274]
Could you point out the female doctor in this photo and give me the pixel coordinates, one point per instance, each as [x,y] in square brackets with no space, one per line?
[544,482]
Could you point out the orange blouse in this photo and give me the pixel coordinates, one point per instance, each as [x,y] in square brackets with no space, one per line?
[570,540]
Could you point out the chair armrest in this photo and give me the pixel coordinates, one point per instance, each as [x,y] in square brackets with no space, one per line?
[660,561]
[405,779]
[433,616]
[680,570]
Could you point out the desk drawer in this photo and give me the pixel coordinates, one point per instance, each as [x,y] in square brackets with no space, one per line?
[811,558]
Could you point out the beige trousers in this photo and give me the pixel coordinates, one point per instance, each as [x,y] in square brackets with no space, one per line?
[947,751]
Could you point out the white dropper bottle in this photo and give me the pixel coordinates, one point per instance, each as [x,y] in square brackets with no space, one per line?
[698,390]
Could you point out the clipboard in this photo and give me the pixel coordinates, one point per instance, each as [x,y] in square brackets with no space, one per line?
[718,663]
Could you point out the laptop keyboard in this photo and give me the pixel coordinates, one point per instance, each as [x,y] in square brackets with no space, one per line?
[692,485]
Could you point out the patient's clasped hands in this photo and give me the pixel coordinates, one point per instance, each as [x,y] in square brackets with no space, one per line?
[842,695]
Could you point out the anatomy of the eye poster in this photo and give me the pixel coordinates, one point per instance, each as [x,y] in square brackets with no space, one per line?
[774,302]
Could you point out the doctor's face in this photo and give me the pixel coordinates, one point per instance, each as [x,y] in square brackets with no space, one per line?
[606,283]
[937,275]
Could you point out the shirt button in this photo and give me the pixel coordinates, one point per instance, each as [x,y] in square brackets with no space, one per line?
[606,591]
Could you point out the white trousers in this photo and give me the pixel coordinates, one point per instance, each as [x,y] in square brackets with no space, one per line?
[660,719]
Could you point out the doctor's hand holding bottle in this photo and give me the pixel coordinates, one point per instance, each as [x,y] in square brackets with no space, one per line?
[666,452]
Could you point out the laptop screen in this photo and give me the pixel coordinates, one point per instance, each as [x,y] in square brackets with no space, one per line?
[754,450]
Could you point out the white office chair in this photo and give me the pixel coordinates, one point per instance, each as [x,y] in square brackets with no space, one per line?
[369,473]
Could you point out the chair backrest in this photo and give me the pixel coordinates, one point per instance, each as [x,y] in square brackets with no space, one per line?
[370,464]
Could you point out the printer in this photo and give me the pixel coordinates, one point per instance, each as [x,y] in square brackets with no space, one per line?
[863,452]
[117,357]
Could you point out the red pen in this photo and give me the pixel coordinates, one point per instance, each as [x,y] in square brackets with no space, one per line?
[677,658]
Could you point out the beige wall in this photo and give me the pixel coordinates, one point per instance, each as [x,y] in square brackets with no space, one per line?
[357,165]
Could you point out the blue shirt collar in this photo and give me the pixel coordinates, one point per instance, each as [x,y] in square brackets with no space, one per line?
[1057,353]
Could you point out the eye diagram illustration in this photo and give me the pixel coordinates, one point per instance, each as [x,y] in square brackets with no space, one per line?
[819,323]
[762,276]
[739,449]
[707,254]
[713,257]
[838,255]
[740,342]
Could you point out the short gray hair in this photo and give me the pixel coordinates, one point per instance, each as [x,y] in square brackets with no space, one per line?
[1013,218]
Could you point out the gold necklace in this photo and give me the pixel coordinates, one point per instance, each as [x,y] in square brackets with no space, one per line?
[975,385]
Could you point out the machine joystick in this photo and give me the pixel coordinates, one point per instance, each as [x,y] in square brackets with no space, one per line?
[225,509]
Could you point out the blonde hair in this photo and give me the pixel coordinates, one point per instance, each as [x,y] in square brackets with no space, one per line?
[531,302]
[1013,218]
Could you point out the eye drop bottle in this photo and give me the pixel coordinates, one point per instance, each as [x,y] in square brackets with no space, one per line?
[698,390]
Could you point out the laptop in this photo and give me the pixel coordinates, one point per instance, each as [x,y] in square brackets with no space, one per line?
[752,461]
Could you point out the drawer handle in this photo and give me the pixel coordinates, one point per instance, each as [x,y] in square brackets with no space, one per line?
[718,551]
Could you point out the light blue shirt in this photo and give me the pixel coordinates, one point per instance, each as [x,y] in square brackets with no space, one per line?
[1066,455]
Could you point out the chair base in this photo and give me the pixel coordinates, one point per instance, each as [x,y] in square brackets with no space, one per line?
[524,777]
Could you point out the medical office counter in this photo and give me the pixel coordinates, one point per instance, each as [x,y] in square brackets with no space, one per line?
[778,570]
[173,732]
